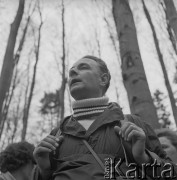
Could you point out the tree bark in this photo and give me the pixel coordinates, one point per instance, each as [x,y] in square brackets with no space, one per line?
[171,14]
[112,39]
[167,82]
[63,85]
[8,62]
[29,99]
[16,119]
[9,96]
[133,73]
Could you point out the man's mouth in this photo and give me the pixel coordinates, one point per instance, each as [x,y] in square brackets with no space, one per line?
[73,81]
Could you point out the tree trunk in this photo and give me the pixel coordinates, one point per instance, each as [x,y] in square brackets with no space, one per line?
[8,62]
[134,77]
[9,96]
[167,83]
[171,14]
[63,85]
[112,39]
[29,99]
[16,119]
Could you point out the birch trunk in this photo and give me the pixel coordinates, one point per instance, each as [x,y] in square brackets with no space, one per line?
[8,62]
[133,73]
[171,14]
[167,82]
[32,86]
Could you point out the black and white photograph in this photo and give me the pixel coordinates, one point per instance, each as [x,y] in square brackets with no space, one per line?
[88,89]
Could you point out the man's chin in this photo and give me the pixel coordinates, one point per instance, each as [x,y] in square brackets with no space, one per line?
[77,92]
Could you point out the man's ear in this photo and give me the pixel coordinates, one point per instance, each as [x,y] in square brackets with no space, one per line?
[104,79]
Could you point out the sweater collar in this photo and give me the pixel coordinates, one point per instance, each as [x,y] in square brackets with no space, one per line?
[91,102]
[88,108]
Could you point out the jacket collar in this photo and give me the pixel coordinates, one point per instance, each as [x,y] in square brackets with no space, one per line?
[113,114]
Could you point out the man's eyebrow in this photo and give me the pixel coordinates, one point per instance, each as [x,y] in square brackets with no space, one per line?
[83,64]
[80,65]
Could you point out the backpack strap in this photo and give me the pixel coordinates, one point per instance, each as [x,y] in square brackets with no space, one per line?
[54,154]
[57,132]
[97,158]
[94,154]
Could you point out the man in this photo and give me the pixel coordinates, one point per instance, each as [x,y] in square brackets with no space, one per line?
[168,140]
[102,126]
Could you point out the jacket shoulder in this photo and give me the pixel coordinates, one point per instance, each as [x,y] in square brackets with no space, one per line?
[60,127]
[139,122]
[144,125]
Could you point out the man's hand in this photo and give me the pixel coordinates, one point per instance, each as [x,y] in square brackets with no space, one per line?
[41,152]
[134,134]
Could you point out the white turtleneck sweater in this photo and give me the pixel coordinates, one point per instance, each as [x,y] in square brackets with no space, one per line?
[86,108]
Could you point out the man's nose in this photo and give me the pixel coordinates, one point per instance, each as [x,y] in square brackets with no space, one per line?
[73,72]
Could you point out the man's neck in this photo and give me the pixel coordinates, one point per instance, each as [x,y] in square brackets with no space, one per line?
[89,107]
[90,102]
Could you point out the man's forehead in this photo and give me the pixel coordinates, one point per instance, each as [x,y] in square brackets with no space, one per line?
[84,61]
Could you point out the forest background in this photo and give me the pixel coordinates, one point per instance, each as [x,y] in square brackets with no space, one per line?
[41,39]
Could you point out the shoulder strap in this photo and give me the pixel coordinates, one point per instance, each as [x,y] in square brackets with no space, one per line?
[97,158]
[94,154]
[57,132]
[54,154]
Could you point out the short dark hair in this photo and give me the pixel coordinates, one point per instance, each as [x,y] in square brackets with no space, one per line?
[169,134]
[103,68]
[15,156]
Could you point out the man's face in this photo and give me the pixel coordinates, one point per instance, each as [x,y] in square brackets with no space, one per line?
[169,148]
[85,79]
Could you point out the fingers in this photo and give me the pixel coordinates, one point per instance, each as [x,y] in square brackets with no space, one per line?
[133,133]
[129,130]
[42,150]
[48,144]
[117,130]
[50,137]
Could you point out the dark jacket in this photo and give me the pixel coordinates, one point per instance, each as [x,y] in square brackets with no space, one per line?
[73,161]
